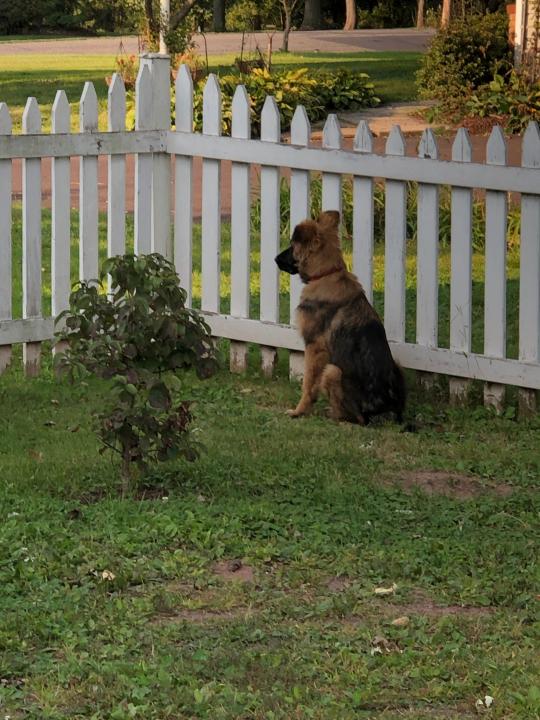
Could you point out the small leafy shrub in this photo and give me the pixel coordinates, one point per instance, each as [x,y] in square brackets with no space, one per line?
[510,100]
[139,337]
[127,66]
[463,57]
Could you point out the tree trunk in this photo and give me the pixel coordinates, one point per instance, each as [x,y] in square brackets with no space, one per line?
[286,29]
[420,14]
[312,15]
[350,18]
[446,12]
[218,24]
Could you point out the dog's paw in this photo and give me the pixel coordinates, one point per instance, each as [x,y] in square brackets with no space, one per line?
[293,413]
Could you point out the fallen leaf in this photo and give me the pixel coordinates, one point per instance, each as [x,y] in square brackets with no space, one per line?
[74,428]
[402,621]
[49,423]
[55,402]
[386,590]
[36,455]
[488,701]
[107,575]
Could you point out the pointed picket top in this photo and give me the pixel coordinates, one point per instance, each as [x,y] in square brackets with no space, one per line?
[270,120]
[395,145]
[461,147]
[427,147]
[241,113]
[331,137]
[496,147]
[363,138]
[116,104]
[89,109]
[530,147]
[60,122]
[31,119]
[184,99]
[212,106]
[143,98]
[300,127]
[5,120]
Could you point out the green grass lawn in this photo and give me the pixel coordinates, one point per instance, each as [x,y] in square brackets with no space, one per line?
[116,607]
[40,76]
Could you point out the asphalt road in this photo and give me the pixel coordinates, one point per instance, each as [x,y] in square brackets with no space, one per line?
[402,39]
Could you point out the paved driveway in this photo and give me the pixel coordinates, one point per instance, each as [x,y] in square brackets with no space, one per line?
[402,39]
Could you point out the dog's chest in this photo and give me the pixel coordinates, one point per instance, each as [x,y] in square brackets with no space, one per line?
[314,317]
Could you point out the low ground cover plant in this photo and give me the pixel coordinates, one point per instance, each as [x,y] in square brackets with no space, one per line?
[139,337]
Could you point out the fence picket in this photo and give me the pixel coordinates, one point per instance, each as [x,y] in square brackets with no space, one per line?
[31,251]
[143,164]
[116,191]
[211,201]
[495,278]
[461,268]
[183,182]
[299,211]
[61,204]
[529,283]
[331,182]
[427,278]
[395,245]
[363,215]
[240,227]
[6,309]
[270,231]
[88,188]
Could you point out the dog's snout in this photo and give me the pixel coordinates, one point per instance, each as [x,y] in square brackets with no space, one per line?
[286,262]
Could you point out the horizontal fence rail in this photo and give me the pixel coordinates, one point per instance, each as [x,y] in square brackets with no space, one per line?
[272,182]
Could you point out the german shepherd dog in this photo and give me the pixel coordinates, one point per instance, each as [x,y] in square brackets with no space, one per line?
[347,356]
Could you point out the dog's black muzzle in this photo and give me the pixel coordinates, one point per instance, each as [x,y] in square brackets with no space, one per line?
[286,262]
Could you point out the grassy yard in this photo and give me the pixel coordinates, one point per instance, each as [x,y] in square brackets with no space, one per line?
[243,585]
[40,76]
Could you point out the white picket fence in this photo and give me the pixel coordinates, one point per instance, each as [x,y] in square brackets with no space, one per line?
[153,143]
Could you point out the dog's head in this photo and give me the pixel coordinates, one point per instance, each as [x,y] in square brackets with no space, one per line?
[314,249]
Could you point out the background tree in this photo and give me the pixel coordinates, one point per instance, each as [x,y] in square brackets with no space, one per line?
[312,15]
[289,6]
[420,14]
[446,12]
[350,17]
[218,16]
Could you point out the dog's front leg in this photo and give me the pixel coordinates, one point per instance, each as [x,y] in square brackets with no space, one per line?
[315,360]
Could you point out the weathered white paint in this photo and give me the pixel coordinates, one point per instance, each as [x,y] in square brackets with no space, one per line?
[5,236]
[31,239]
[461,266]
[395,245]
[240,227]
[529,286]
[61,204]
[143,164]
[363,214]
[495,263]
[299,211]
[211,201]
[331,182]
[88,191]
[116,191]
[270,230]
[183,186]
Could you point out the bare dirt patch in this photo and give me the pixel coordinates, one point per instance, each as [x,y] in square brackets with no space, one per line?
[338,584]
[422,604]
[234,571]
[447,484]
[201,615]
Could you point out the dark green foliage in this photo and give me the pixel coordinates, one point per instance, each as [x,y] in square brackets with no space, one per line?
[511,99]
[463,57]
[138,337]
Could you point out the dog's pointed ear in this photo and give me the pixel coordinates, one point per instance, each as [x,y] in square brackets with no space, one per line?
[330,218]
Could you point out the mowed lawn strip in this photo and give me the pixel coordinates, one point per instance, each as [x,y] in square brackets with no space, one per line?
[40,76]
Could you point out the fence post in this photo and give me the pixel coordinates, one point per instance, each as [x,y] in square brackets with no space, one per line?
[363,215]
[31,251]
[427,275]
[240,227]
[299,210]
[529,274]
[88,191]
[5,237]
[160,72]
[461,269]
[143,164]
[495,277]
[270,231]
[116,206]
[331,182]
